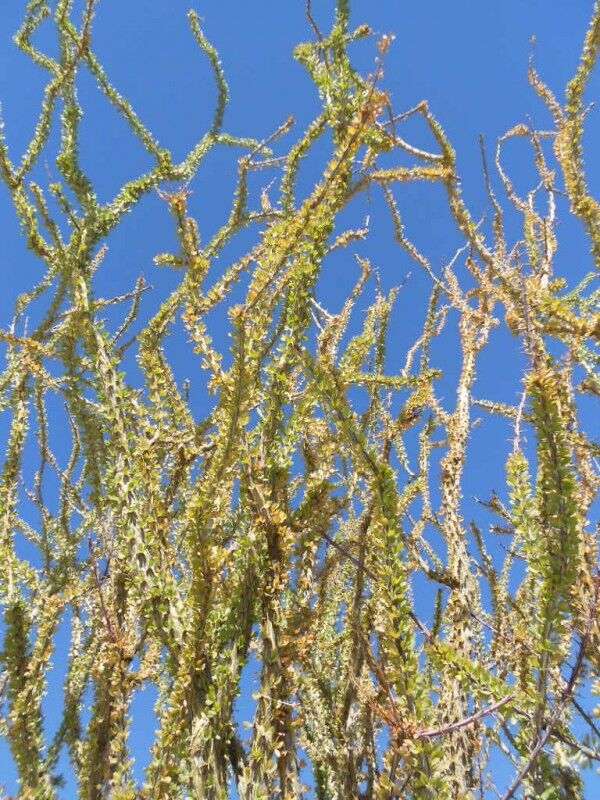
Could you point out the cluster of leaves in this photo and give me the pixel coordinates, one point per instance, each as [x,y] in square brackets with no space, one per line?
[286,526]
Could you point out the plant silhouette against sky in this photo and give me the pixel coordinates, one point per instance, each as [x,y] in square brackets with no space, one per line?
[296,523]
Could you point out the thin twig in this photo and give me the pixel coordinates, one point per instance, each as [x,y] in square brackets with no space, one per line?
[463,723]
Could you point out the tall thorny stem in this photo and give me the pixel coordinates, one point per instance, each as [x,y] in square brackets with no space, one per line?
[285,525]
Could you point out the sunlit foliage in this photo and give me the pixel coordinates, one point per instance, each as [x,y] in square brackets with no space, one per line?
[288,526]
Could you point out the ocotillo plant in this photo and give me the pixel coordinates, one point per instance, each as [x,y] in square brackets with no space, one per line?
[288,526]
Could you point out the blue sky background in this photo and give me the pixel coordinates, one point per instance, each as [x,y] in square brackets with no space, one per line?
[469,59]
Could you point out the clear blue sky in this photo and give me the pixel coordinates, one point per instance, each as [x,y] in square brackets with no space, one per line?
[468,58]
